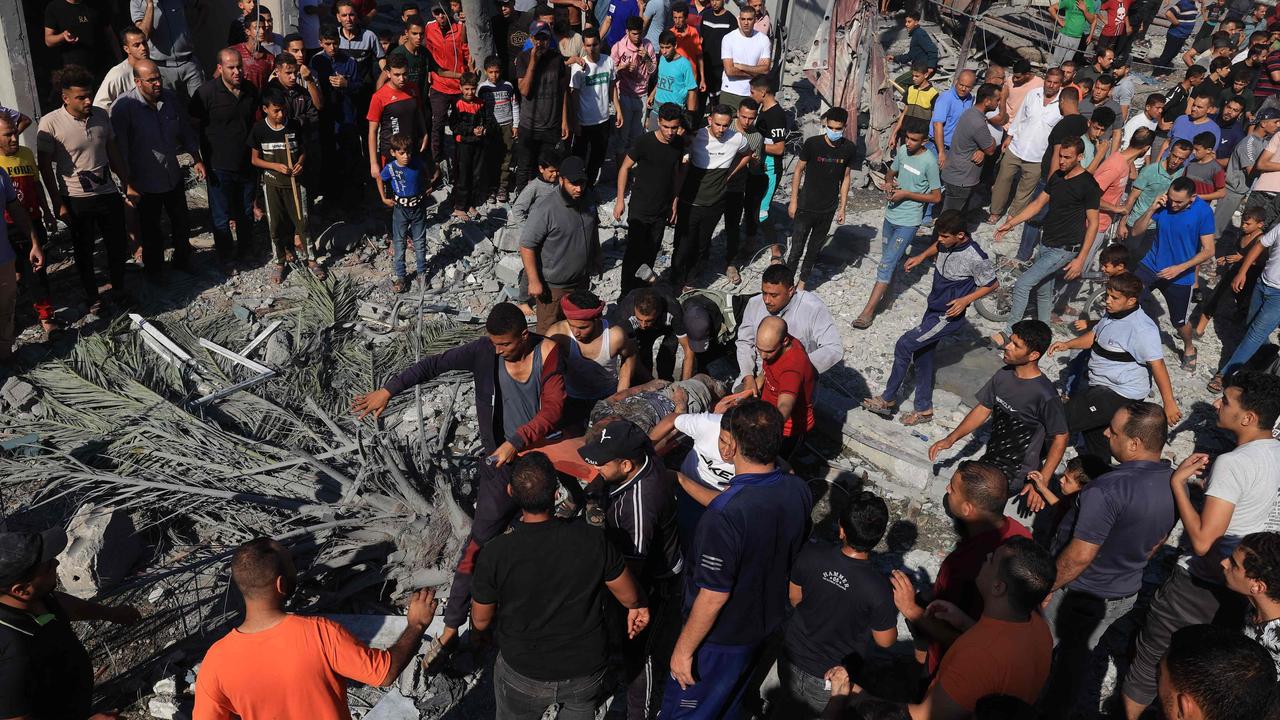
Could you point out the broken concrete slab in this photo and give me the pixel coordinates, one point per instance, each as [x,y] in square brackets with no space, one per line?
[102,547]
[394,706]
[18,394]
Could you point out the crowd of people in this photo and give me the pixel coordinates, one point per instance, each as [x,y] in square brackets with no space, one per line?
[639,529]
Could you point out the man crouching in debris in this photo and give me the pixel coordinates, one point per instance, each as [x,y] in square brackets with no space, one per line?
[519,374]
[277,664]
[47,672]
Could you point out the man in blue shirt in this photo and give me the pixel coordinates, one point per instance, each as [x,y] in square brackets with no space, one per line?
[1184,239]
[947,111]
[740,566]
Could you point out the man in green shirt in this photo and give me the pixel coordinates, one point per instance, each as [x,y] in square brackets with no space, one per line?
[1073,18]
[1152,182]
[417,74]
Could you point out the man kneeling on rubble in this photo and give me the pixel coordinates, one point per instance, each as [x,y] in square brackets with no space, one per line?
[276,664]
[520,397]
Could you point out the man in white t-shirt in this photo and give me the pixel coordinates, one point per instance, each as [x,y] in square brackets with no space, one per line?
[593,98]
[1148,118]
[119,79]
[716,153]
[746,54]
[1241,498]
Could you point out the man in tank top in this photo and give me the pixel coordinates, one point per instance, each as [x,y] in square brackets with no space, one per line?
[598,356]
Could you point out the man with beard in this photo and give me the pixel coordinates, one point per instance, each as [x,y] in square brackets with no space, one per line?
[560,244]
[599,358]
[975,501]
[1029,427]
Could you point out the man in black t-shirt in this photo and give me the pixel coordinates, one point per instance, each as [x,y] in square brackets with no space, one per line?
[510,31]
[1028,421]
[549,611]
[717,22]
[45,671]
[640,520]
[79,34]
[650,315]
[819,191]
[840,599]
[543,83]
[771,123]
[1070,194]
[656,160]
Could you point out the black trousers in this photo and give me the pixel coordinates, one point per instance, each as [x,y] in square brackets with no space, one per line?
[90,216]
[808,234]
[694,227]
[645,657]
[438,116]
[591,144]
[494,512]
[665,366]
[467,186]
[741,212]
[151,235]
[528,147]
[1090,413]
[644,239]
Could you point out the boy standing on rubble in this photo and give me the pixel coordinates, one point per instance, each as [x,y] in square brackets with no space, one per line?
[408,179]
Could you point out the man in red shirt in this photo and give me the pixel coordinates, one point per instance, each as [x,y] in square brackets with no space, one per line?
[446,40]
[975,500]
[257,62]
[1117,25]
[787,382]
[395,108]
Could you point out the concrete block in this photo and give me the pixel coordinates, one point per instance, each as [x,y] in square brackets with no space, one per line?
[394,706]
[508,239]
[102,547]
[18,394]
[509,270]
[171,707]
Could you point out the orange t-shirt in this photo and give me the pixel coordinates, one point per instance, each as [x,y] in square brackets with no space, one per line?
[297,669]
[996,657]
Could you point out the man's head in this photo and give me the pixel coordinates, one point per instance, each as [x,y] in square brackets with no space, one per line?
[1203,147]
[262,570]
[134,42]
[230,67]
[1102,88]
[413,29]
[1053,84]
[76,85]
[345,11]
[1068,72]
[274,106]
[635,28]
[1182,192]
[1154,106]
[1069,153]
[1178,155]
[1120,68]
[777,287]
[964,83]
[508,331]
[1115,258]
[1123,291]
[397,71]
[667,45]
[146,77]
[1100,122]
[9,139]
[1269,120]
[294,45]
[583,313]
[771,338]
[680,15]
[951,228]
[920,74]
[834,121]
[747,21]
[748,111]
[1253,568]
[1068,100]
[762,87]
[540,35]
[549,165]
[718,120]
[408,10]
[862,521]
[1220,68]
[286,69]
[1201,104]
[1138,431]
[1212,673]
[1020,573]
[911,21]
[1254,220]
[1250,404]
[1027,343]
[1104,59]
[1141,140]
[977,491]
[616,450]
[754,435]
[329,39]
[1022,72]
[1231,111]
[670,122]
[716,6]
[913,139]
[650,309]
[29,563]
[533,483]
[264,25]
[988,97]
[573,178]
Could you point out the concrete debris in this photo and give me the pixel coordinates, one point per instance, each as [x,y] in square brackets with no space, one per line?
[17,394]
[171,707]
[102,547]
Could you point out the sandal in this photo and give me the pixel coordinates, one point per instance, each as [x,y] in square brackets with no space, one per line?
[397,285]
[1215,385]
[880,407]
[915,417]
[317,270]
[1189,362]
[731,272]
[277,274]
[862,322]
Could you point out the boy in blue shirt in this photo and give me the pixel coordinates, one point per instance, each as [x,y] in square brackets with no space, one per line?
[961,275]
[675,84]
[408,179]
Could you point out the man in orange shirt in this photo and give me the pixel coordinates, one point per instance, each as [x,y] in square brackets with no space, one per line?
[1007,651]
[277,665]
[688,41]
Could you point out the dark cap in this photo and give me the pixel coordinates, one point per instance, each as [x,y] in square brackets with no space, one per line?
[573,169]
[21,552]
[1021,66]
[697,326]
[619,440]
[1268,113]
[538,27]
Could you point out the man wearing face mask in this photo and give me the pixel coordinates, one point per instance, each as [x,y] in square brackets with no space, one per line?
[277,664]
[975,501]
[825,164]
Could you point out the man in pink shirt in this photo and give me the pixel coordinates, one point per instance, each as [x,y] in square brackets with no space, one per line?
[636,61]
[1021,82]
[1113,175]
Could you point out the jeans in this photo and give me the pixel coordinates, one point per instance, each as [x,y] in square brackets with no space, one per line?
[804,696]
[522,698]
[184,78]
[90,216]
[591,144]
[1079,622]
[35,284]
[231,198]
[644,239]
[632,119]
[916,347]
[409,222]
[694,228]
[895,239]
[1038,277]
[1264,317]
[174,203]
[808,234]
[498,160]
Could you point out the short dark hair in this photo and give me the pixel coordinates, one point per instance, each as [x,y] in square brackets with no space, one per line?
[1142,138]
[285,58]
[1227,674]
[721,109]
[1104,116]
[505,319]
[1115,254]
[469,78]
[585,299]
[592,33]
[548,156]
[1120,61]
[256,564]
[534,483]
[1256,213]
[650,302]
[987,91]
[328,31]
[292,38]
[985,485]
[670,111]
[913,15]
[1106,79]
[1262,560]
[132,31]
[778,274]
[1035,333]
[863,520]
[635,22]
[272,97]
[1260,395]
[400,142]
[680,6]
[1147,424]
[921,66]
[1219,63]
[1181,144]
[414,19]
[1126,283]
[764,81]
[1154,98]
[750,104]
[950,222]
[396,61]
[1075,142]
[1205,140]
[1028,571]
[1205,93]
[756,427]
[73,76]
[1196,71]
[837,114]
[1184,184]
[492,61]
[667,38]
